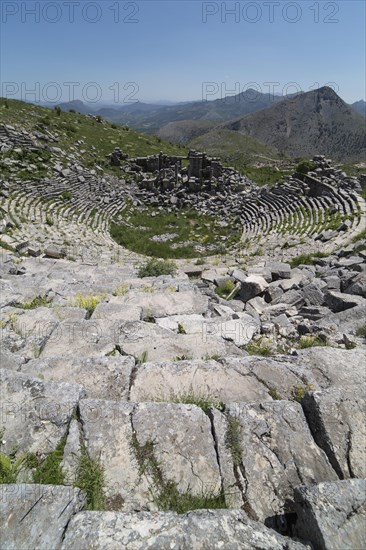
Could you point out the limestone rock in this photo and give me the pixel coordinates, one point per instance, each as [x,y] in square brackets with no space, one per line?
[102,377]
[339,301]
[332,515]
[36,516]
[336,418]
[131,438]
[163,345]
[270,448]
[334,367]
[209,380]
[198,530]
[79,338]
[157,304]
[36,413]
[252,286]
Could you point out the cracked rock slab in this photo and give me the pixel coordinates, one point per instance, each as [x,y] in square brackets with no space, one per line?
[36,414]
[88,338]
[36,516]
[269,449]
[102,377]
[336,418]
[162,344]
[198,530]
[279,378]
[158,304]
[178,437]
[167,381]
[334,367]
[332,515]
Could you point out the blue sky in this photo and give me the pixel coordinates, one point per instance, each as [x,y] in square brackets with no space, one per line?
[170,50]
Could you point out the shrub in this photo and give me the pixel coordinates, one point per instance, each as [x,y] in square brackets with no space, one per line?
[121,290]
[261,347]
[300,390]
[225,289]
[88,302]
[66,195]
[305,166]
[361,331]
[155,267]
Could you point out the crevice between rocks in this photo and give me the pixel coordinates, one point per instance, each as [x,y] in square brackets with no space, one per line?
[319,432]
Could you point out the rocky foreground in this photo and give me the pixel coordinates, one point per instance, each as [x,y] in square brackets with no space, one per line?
[170,398]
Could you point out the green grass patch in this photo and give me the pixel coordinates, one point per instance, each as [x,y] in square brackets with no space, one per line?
[307,259]
[183,234]
[360,236]
[190,397]
[38,301]
[233,439]
[91,479]
[310,341]
[47,471]
[259,347]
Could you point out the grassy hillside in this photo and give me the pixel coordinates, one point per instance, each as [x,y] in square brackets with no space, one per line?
[98,139]
[261,163]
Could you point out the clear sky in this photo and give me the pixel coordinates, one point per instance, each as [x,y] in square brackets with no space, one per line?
[119,51]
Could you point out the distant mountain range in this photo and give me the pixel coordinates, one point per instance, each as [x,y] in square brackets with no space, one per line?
[304,125]
[299,125]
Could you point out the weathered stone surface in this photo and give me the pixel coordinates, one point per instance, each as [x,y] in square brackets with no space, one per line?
[358,285]
[313,295]
[109,314]
[198,530]
[183,445]
[124,436]
[278,377]
[55,252]
[332,515]
[158,304]
[272,451]
[168,381]
[109,434]
[252,286]
[36,414]
[291,298]
[334,367]
[347,321]
[72,338]
[279,270]
[190,324]
[72,453]
[336,417]
[339,301]
[36,516]
[164,345]
[102,377]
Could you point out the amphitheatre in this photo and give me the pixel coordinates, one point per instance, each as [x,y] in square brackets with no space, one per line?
[183,351]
